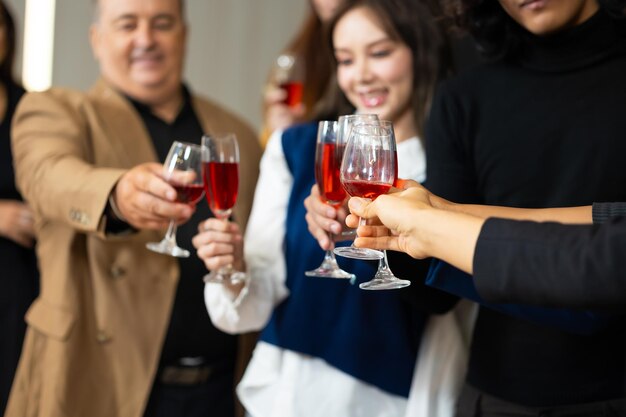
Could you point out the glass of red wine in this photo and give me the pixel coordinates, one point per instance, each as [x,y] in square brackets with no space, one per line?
[183,171]
[384,278]
[366,171]
[344,127]
[220,169]
[328,155]
[288,75]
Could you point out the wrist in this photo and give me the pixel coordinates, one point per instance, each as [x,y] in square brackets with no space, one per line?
[114,209]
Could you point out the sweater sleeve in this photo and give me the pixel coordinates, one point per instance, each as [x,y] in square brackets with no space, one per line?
[602,212]
[552,264]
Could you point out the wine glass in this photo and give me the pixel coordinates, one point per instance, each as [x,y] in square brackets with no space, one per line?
[367,170]
[288,75]
[328,154]
[344,126]
[183,171]
[384,278]
[220,166]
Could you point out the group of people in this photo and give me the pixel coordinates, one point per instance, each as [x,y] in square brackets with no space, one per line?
[117,330]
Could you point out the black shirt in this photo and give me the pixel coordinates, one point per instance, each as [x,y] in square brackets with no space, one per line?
[190,332]
[544,128]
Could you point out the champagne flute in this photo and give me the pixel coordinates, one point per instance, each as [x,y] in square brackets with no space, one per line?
[220,166]
[328,154]
[183,171]
[384,278]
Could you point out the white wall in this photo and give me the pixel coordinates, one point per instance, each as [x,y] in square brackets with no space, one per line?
[232,44]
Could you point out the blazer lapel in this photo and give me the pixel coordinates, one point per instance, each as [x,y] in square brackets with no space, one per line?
[123,125]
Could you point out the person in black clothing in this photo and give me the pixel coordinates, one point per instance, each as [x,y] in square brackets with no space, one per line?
[20,279]
[541,125]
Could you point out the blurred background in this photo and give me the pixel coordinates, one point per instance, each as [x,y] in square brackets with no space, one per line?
[232,45]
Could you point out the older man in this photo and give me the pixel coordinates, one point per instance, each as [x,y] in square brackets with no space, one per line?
[119,330]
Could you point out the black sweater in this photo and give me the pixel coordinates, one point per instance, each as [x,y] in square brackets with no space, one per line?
[544,128]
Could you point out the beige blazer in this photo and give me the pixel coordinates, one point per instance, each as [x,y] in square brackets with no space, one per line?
[95,332]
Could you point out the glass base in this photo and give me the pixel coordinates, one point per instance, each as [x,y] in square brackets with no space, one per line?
[359,253]
[385,284]
[168,248]
[329,269]
[225,275]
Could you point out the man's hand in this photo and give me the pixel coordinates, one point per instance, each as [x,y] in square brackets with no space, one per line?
[146,201]
[17,223]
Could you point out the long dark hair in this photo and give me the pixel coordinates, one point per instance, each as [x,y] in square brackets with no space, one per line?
[495,32]
[6,67]
[417,24]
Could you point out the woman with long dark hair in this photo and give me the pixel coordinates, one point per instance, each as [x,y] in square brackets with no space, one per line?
[328,347]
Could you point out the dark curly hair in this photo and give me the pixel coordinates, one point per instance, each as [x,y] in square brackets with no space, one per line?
[495,32]
[417,24]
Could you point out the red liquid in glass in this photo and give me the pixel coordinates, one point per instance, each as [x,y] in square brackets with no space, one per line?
[221,182]
[327,173]
[294,91]
[188,194]
[365,189]
[396,183]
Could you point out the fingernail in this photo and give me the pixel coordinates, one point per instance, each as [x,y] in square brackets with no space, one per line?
[171,195]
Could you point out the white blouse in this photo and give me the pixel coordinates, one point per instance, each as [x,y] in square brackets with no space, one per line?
[283,383]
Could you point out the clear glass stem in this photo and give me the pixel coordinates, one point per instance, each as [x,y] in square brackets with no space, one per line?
[170,235]
[383,265]
[330,255]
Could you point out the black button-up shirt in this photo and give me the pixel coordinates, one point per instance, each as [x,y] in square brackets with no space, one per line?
[190,332]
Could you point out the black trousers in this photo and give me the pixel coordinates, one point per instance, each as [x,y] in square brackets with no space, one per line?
[475,403]
[214,398]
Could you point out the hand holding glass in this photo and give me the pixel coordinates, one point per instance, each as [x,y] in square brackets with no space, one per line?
[183,171]
[384,278]
[220,157]
[328,156]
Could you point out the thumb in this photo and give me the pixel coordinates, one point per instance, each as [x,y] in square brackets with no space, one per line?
[360,207]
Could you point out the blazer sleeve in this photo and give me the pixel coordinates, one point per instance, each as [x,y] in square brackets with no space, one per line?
[552,264]
[53,161]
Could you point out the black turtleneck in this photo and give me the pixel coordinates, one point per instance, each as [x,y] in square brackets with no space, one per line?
[543,128]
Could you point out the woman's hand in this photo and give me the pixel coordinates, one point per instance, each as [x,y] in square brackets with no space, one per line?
[279,115]
[17,222]
[418,223]
[219,243]
[393,221]
[323,218]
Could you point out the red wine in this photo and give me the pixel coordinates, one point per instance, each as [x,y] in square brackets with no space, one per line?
[327,173]
[365,189]
[294,90]
[221,183]
[189,193]
[396,183]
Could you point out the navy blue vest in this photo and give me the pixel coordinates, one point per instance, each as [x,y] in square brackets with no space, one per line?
[371,335]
